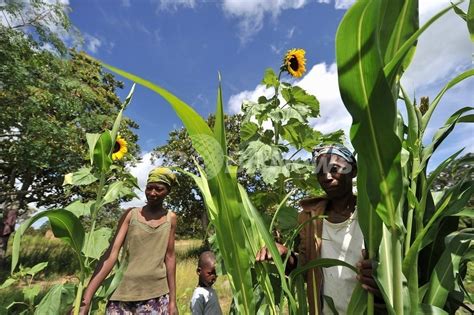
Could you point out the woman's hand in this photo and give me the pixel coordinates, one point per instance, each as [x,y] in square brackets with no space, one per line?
[264,253]
[172,309]
[366,278]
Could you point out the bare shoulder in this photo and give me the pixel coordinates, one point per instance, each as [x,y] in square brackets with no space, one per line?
[126,215]
[173,217]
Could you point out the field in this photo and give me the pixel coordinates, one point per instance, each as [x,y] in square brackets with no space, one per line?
[36,249]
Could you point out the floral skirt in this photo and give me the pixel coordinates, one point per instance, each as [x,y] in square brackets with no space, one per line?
[155,306]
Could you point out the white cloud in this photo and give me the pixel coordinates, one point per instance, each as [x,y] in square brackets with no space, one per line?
[251,14]
[442,51]
[140,171]
[92,43]
[126,3]
[321,81]
[176,4]
[343,4]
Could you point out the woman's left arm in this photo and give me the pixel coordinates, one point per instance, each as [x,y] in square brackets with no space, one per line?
[170,262]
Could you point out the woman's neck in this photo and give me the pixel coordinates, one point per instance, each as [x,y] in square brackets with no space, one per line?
[340,209]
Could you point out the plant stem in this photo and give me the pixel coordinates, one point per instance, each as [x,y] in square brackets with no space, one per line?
[77,301]
[96,209]
[397,273]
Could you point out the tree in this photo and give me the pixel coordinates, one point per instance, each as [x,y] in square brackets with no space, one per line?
[46,21]
[48,104]
[186,198]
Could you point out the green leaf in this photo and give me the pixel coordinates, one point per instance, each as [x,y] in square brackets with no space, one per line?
[219,125]
[330,304]
[79,208]
[65,226]
[98,243]
[295,95]
[258,155]
[8,283]
[102,150]
[82,177]
[301,135]
[321,263]
[57,300]
[458,79]
[427,309]
[118,119]
[270,79]
[248,130]
[442,278]
[92,139]
[459,12]
[358,303]
[391,68]
[116,190]
[287,218]
[470,19]
[37,268]
[31,292]
[223,189]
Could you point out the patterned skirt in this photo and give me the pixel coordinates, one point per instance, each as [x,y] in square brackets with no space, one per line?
[155,306]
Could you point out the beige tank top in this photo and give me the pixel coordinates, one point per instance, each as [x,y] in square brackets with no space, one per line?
[143,253]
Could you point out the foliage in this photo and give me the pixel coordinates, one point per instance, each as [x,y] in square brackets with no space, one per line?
[240,229]
[45,21]
[42,122]
[88,246]
[186,199]
[399,214]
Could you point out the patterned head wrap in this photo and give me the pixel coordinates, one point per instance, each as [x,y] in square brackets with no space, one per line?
[162,175]
[336,149]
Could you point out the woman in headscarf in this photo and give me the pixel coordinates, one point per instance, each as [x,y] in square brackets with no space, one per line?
[147,236]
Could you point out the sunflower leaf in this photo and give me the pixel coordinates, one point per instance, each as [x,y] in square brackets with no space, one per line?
[81,177]
[270,79]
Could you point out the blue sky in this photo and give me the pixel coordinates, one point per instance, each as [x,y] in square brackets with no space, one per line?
[181,45]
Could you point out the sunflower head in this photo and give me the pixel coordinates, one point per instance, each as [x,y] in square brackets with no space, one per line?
[294,62]
[120,148]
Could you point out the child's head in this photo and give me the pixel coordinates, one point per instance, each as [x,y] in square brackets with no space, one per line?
[206,269]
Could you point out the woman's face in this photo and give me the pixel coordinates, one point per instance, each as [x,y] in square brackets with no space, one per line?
[156,192]
[335,175]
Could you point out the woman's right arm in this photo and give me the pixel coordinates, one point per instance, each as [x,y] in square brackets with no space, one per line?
[106,262]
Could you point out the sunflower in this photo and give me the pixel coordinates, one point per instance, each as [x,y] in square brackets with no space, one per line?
[294,62]
[120,148]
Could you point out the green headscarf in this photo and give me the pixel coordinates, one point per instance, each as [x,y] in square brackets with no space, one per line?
[162,175]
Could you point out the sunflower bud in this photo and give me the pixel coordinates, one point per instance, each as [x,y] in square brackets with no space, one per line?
[424,104]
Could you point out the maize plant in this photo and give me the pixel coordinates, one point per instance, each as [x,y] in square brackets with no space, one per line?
[405,224]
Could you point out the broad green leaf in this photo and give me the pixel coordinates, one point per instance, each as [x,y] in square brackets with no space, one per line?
[284,211]
[82,177]
[358,303]
[270,79]
[367,96]
[297,96]
[223,189]
[57,301]
[330,304]
[98,243]
[258,155]
[8,283]
[31,292]
[219,125]
[116,190]
[300,135]
[470,19]
[442,133]
[287,218]
[118,119]
[65,226]
[427,309]
[442,279]
[92,139]
[321,263]
[79,208]
[459,78]
[391,68]
[248,130]
[37,268]
[102,150]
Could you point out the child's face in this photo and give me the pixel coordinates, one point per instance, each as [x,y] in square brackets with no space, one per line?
[207,274]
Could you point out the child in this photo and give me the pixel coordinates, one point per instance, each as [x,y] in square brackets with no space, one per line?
[204,300]
[147,237]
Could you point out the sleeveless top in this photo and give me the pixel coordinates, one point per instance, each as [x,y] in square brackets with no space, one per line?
[143,253]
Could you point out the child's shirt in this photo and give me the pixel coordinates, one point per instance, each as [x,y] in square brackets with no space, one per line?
[205,302]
